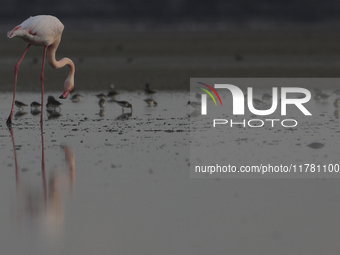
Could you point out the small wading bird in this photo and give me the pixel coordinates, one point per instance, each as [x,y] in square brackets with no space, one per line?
[52,103]
[124,104]
[43,30]
[101,95]
[20,105]
[35,105]
[321,96]
[34,108]
[112,91]
[196,105]
[337,103]
[147,89]
[76,98]
[101,103]
[266,98]
[258,103]
[112,94]
[150,102]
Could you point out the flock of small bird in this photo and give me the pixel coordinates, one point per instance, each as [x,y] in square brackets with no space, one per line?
[322,97]
[53,105]
[52,108]
[111,97]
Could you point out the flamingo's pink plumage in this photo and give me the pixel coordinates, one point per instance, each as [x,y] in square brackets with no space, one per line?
[46,31]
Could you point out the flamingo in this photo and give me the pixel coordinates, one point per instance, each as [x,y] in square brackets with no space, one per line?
[43,30]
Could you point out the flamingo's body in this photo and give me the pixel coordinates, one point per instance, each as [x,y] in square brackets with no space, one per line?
[42,30]
[46,31]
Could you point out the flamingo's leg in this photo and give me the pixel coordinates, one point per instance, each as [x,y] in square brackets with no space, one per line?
[42,79]
[9,120]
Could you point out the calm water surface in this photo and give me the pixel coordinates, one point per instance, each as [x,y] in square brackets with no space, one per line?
[107,183]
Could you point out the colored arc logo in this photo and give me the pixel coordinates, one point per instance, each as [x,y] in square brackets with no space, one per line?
[208,92]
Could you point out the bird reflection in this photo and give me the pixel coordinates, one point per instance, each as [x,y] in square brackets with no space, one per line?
[35,105]
[336,113]
[101,112]
[101,104]
[124,116]
[52,114]
[19,114]
[194,114]
[44,203]
[148,91]
[35,112]
[197,107]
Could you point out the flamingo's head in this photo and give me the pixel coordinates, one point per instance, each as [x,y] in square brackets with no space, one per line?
[68,86]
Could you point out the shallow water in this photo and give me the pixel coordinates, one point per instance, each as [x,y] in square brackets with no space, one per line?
[123,186]
[116,178]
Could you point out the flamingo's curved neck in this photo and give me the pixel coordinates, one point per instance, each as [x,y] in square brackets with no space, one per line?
[69,82]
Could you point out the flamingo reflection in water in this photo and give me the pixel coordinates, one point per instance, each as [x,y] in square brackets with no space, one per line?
[44,204]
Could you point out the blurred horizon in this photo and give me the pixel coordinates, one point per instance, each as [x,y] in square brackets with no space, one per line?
[138,42]
[179,14]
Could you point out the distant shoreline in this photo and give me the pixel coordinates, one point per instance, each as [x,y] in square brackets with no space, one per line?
[167,60]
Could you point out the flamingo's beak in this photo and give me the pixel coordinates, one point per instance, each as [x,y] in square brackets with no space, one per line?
[64,95]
